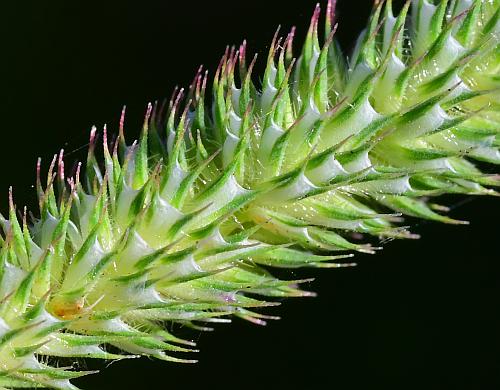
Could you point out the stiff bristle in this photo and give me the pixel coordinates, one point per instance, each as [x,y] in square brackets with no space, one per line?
[323,159]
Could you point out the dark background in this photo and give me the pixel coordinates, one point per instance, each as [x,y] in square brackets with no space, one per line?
[421,314]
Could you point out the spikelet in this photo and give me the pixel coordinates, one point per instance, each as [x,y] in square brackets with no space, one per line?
[184,225]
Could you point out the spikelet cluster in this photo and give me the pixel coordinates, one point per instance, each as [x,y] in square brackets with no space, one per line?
[185,225]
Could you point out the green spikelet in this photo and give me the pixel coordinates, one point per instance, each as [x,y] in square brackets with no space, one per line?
[184,225]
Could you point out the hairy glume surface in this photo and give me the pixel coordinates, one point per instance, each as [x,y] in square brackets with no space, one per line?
[186,224]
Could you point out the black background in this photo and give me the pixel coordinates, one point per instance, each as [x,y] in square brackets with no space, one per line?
[420,314]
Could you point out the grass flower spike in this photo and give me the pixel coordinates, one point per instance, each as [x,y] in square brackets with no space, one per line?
[231,179]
